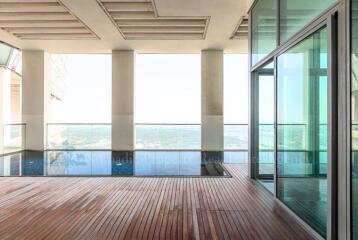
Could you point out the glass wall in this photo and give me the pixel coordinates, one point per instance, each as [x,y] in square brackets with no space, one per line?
[168,101]
[265,93]
[302,108]
[236,103]
[263,29]
[294,15]
[354,94]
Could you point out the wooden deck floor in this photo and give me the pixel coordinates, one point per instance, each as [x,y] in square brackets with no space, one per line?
[142,208]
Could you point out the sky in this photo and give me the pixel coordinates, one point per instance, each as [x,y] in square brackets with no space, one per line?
[87,96]
[167,89]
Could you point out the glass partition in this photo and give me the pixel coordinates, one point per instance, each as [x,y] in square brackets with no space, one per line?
[168,136]
[354,102]
[264,91]
[302,109]
[78,136]
[13,138]
[236,137]
[294,15]
[263,29]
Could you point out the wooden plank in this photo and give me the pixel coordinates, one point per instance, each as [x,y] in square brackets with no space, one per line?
[143,208]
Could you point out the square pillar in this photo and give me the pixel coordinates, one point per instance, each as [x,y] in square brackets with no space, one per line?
[35,94]
[123,100]
[212,99]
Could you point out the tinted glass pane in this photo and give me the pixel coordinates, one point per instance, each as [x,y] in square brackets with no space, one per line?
[294,15]
[266,130]
[263,28]
[302,129]
[354,103]
[5,51]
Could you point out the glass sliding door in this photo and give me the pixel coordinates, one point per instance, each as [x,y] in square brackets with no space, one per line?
[264,92]
[354,114]
[302,116]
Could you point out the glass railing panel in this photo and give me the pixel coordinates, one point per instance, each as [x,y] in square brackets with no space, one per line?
[266,155]
[13,138]
[79,163]
[168,137]
[79,136]
[236,137]
[62,163]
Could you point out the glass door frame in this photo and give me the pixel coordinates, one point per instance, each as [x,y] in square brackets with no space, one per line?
[327,19]
[255,121]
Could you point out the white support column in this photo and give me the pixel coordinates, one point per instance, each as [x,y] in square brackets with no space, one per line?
[212,120]
[122,100]
[34,97]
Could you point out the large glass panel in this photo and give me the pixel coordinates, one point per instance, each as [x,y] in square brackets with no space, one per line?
[263,29]
[302,129]
[294,15]
[354,84]
[265,92]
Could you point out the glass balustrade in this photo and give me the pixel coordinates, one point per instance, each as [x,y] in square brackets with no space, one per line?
[168,136]
[79,136]
[13,138]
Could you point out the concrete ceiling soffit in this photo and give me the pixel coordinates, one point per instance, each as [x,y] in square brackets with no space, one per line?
[139,20]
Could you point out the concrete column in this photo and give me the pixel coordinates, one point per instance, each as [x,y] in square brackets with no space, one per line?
[122,100]
[35,95]
[212,120]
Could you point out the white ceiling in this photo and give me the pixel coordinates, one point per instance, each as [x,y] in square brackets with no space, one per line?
[224,17]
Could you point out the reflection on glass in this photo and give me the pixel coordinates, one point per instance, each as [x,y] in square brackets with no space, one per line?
[168,137]
[108,163]
[265,91]
[302,129]
[13,138]
[354,86]
[5,51]
[168,163]
[263,29]
[78,163]
[78,136]
[236,137]
[294,15]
